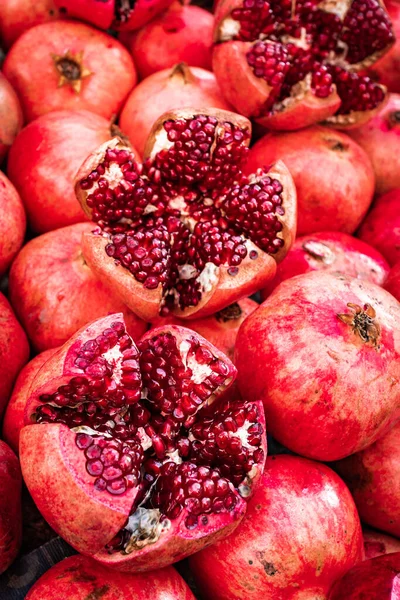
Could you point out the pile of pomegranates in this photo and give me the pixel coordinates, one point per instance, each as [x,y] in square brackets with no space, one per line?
[200,299]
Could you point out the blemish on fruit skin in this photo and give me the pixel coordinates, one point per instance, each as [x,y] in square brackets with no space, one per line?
[98,593]
[268,567]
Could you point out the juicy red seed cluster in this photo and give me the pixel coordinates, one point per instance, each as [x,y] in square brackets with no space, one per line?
[210,244]
[321,81]
[255,17]
[358,93]
[269,61]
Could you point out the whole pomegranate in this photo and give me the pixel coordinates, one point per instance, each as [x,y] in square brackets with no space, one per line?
[69,65]
[292,64]
[128,453]
[386,69]
[16,16]
[79,578]
[322,353]
[183,33]
[380,139]
[10,506]
[14,350]
[331,251]
[170,89]
[54,293]
[377,543]
[392,283]
[300,533]
[372,579]
[44,160]
[12,223]
[373,476]
[333,176]
[10,116]
[186,232]
[381,227]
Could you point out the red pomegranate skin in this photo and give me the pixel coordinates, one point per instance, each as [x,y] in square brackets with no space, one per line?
[44,160]
[331,251]
[373,477]
[10,116]
[381,227]
[333,175]
[169,89]
[16,16]
[375,579]
[12,223]
[387,69]
[377,543]
[108,72]
[300,534]
[79,577]
[14,416]
[314,372]
[392,283]
[54,292]
[10,506]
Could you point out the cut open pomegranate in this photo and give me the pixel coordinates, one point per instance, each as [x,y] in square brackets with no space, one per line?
[290,64]
[128,451]
[186,231]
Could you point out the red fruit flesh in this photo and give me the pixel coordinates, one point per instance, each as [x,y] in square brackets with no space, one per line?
[10,116]
[183,33]
[171,89]
[333,176]
[300,533]
[186,231]
[373,477]
[380,139]
[12,223]
[377,543]
[150,472]
[373,579]
[292,65]
[387,69]
[10,506]
[16,16]
[322,353]
[79,577]
[69,65]
[381,227]
[54,293]
[332,252]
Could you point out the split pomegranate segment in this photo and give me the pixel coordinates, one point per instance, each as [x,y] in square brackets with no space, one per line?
[186,231]
[290,64]
[128,451]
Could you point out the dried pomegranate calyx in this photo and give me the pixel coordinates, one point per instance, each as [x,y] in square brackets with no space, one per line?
[363,322]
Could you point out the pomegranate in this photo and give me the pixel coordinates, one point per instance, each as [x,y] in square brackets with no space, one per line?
[372,579]
[44,159]
[292,64]
[151,472]
[322,353]
[16,16]
[333,175]
[392,283]
[183,33]
[170,89]
[373,476]
[12,223]
[14,350]
[387,69]
[14,416]
[380,139]
[377,543]
[10,506]
[186,231]
[54,293]
[300,533]
[381,227]
[69,65]
[10,116]
[331,251]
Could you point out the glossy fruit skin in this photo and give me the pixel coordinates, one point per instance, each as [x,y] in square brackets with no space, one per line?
[54,293]
[373,478]
[79,577]
[377,543]
[297,328]
[10,116]
[169,89]
[30,67]
[381,226]
[333,176]
[301,509]
[16,16]
[386,70]
[183,33]
[370,580]
[392,283]
[12,223]
[10,506]
[380,138]
[331,251]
